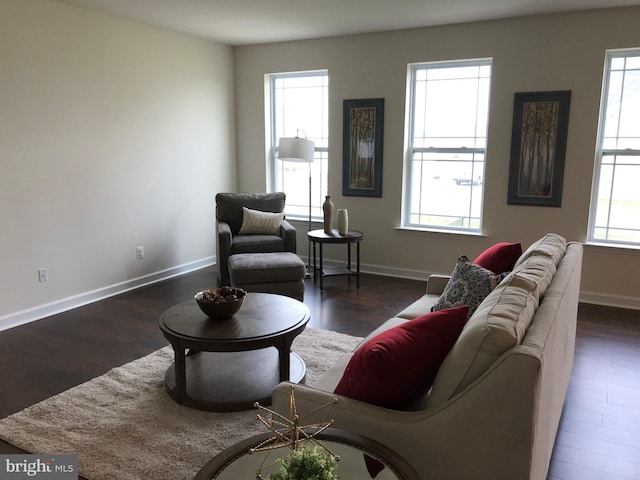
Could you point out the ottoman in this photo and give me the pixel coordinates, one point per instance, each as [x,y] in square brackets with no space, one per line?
[279,272]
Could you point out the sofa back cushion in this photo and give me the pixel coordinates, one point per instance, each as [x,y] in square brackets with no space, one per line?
[551,245]
[500,323]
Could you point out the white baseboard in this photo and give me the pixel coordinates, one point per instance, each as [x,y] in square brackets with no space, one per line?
[631,303]
[45,310]
[392,271]
[35,313]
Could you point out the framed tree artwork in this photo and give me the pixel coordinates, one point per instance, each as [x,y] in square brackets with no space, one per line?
[363,125]
[538,146]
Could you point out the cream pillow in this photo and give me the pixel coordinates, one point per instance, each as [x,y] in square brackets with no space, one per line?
[257,222]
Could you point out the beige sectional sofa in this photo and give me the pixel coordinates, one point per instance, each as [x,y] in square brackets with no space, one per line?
[496,401]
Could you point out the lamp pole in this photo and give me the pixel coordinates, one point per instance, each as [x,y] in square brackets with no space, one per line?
[299,150]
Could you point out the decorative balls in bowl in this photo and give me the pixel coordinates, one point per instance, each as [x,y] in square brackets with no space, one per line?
[220,303]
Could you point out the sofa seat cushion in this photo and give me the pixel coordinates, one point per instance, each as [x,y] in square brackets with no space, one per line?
[419,307]
[396,367]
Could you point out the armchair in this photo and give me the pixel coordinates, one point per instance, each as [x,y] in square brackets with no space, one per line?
[229,215]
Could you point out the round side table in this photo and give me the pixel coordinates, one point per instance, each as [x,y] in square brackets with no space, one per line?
[320,238]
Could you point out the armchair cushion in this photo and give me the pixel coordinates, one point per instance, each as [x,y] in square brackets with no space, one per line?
[258,222]
[257,244]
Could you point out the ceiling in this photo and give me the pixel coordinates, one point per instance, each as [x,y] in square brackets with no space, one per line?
[243,22]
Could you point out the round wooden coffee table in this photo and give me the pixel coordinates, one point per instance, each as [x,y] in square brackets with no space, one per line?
[360,457]
[227,365]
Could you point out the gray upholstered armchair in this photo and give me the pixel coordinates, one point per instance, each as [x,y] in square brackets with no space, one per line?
[229,214]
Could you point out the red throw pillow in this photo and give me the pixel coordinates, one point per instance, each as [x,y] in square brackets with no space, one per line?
[397,366]
[499,258]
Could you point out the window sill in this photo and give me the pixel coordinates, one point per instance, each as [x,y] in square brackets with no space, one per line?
[619,247]
[305,220]
[433,232]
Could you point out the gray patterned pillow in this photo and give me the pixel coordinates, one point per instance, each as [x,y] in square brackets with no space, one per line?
[469,285]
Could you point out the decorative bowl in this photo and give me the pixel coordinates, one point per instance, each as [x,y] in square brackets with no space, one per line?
[220,303]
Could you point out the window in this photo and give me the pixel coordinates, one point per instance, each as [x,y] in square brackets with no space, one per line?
[448,107]
[299,107]
[615,202]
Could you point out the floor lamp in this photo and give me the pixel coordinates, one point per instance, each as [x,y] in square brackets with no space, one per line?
[299,150]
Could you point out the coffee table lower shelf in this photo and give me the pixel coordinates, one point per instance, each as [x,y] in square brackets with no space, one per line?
[231,381]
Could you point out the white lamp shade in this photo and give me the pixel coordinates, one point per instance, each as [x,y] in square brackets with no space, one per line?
[295,150]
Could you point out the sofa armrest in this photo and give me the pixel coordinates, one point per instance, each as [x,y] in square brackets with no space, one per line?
[309,399]
[288,233]
[437,283]
[490,424]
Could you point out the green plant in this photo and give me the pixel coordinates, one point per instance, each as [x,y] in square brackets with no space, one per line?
[306,464]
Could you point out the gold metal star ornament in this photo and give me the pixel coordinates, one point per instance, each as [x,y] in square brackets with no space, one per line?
[291,432]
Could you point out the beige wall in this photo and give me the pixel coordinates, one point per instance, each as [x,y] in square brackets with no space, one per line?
[113,134]
[555,52]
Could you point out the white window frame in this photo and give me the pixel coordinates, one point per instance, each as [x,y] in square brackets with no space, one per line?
[602,228]
[298,210]
[472,152]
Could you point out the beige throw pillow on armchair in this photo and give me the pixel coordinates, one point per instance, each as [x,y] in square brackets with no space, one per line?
[257,222]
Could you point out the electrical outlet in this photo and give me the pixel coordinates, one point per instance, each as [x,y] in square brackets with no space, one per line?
[139,252]
[42,275]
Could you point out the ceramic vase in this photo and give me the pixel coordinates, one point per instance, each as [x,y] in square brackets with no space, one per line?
[343,221]
[327,210]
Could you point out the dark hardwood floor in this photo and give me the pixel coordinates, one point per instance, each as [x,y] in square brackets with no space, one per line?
[599,437]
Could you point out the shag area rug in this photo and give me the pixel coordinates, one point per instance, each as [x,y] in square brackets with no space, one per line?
[123,425]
